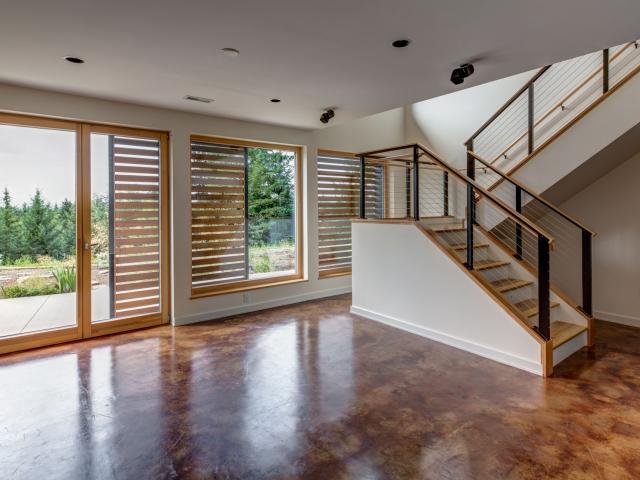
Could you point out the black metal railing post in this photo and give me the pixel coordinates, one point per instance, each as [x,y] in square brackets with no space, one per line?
[362,188]
[587,306]
[544,322]
[471,215]
[416,184]
[407,183]
[605,70]
[530,121]
[518,226]
[445,193]
[471,161]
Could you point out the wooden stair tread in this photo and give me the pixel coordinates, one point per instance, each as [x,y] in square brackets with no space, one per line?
[529,307]
[487,264]
[562,332]
[447,228]
[463,246]
[508,284]
[432,217]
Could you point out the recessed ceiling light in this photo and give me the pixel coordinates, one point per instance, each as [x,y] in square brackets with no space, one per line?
[275,100]
[73,59]
[230,52]
[401,43]
[194,98]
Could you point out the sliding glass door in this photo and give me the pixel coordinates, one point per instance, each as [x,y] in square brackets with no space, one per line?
[83,230]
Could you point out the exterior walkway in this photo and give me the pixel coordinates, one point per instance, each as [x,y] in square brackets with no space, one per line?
[47,312]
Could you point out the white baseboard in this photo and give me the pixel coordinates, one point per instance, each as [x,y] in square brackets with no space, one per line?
[253,307]
[617,318]
[467,346]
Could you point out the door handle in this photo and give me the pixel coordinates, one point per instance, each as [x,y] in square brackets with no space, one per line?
[88,246]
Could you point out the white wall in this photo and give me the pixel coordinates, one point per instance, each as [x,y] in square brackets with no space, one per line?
[181,125]
[382,130]
[610,207]
[400,259]
[445,123]
[593,133]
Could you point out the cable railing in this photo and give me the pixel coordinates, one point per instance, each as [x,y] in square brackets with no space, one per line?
[418,185]
[552,100]
[571,259]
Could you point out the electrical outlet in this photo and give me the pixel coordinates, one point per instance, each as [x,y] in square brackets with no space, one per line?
[245,297]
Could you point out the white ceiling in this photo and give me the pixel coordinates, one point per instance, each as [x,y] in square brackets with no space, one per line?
[311,54]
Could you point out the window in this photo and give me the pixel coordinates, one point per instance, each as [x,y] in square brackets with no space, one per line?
[245,215]
[339,203]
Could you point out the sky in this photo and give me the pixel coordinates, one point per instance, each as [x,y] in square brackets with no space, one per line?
[33,158]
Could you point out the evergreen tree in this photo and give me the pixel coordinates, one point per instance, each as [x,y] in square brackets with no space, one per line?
[66,226]
[41,236]
[270,183]
[10,231]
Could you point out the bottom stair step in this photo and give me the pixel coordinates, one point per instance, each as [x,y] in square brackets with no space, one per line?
[562,332]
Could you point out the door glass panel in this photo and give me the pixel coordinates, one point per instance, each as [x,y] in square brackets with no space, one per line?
[125,227]
[37,230]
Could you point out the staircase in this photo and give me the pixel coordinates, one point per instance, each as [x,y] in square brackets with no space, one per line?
[509,279]
[508,256]
[529,257]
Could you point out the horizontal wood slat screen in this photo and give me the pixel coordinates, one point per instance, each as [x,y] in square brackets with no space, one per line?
[338,204]
[135,219]
[218,228]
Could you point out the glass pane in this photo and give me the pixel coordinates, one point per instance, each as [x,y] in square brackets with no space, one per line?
[272,216]
[37,229]
[125,227]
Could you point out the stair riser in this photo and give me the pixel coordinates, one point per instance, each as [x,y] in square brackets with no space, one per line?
[453,238]
[478,254]
[496,273]
[523,293]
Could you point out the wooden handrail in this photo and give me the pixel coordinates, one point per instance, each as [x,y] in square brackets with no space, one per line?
[508,103]
[531,193]
[510,212]
[561,102]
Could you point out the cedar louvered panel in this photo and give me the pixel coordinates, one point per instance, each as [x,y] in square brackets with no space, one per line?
[218,227]
[135,226]
[339,202]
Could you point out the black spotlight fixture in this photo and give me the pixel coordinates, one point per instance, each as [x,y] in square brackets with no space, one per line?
[459,74]
[401,43]
[275,100]
[327,115]
[76,60]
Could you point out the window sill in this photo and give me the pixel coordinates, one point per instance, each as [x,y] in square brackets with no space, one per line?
[245,286]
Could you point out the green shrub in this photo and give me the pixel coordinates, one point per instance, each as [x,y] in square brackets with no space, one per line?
[31,287]
[24,261]
[262,264]
[65,279]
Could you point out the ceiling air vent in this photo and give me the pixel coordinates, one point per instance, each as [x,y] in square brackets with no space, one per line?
[193,98]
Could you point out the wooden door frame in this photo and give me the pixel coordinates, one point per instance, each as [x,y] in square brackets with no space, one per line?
[83,328]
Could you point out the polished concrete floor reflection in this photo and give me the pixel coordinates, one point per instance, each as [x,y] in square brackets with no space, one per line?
[310,391]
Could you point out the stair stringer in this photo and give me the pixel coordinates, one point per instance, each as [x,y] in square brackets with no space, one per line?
[405,278]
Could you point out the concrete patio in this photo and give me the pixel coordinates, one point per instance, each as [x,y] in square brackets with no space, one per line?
[48,312]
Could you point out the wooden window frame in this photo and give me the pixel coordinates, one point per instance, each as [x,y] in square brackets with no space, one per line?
[275,280]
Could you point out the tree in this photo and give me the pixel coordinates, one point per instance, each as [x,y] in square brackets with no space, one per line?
[10,231]
[66,225]
[270,183]
[41,235]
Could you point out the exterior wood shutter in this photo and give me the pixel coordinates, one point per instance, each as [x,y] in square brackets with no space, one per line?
[338,204]
[218,214]
[134,226]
